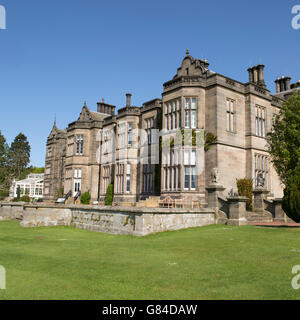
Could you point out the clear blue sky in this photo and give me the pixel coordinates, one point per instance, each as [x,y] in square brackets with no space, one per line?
[57,53]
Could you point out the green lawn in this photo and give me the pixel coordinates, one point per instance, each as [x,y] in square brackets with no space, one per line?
[214,262]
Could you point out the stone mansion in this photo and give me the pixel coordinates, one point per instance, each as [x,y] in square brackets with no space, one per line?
[238,114]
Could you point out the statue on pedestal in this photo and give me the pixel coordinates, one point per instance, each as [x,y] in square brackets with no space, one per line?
[260,180]
[214,175]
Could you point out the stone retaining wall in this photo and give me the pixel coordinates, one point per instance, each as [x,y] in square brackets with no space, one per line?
[116,220]
[139,221]
[43,215]
[11,210]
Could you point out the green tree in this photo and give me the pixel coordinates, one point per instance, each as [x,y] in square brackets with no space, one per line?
[284,147]
[19,155]
[284,140]
[4,169]
[3,151]
[291,199]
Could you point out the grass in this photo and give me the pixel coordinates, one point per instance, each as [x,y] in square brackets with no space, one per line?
[214,262]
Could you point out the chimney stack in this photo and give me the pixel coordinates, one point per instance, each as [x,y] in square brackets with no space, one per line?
[261,76]
[283,84]
[251,78]
[277,81]
[128,99]
[256,75]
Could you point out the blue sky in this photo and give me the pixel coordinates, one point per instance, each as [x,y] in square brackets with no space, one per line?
[56,54]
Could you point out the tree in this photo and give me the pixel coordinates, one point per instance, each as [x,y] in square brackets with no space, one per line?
[284,140]
[4,170]
[19,155]
[3,151]
[284,147]
[291,199]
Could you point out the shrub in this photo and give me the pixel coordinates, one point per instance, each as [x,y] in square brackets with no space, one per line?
[85,198]
[15,200]
[109,195]
[245,188]
[25,199]
[291,199]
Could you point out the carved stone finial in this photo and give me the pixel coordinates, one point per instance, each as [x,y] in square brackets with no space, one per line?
[214,175]
[187,52]
[85,103]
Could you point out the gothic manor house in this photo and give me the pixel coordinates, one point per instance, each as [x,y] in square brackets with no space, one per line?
[238,114]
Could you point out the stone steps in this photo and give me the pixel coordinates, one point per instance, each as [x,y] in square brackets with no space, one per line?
[259,217]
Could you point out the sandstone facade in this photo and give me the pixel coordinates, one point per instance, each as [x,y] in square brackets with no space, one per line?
[238,114]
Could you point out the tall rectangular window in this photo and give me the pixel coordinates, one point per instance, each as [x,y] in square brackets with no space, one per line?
[190,169]
[106,178]
[79,145]
[172,170]
[121,135]
[148,173]
[129,134]
[149,123]
[120,178]
[230,115]
[190,113]
[128,178]
[260,121]
[172,114]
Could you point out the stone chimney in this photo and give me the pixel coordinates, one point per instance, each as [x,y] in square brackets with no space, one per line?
[106,108]
[261,75]
[283,84]
[256,75]
[128,99]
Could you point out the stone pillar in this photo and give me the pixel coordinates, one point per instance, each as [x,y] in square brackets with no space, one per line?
[259,196]
[280,216]
[237,211]
[213,191]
